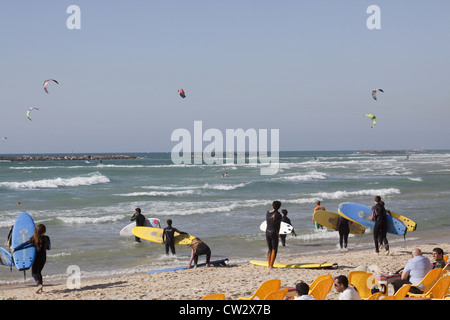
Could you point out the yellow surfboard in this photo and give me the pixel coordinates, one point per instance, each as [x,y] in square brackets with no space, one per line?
[155,235]
[409,224]
[296,265]
[330,220]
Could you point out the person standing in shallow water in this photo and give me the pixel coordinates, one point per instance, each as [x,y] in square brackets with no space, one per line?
[140,221]
[42,243]
[273,219]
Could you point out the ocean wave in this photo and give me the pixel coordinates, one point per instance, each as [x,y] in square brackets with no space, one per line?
[345,194]
[88,180]
[157,193]
[314,175]
[90,220]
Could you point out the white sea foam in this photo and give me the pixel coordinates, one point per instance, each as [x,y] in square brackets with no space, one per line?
[157,193]
[345,194]
[90,219]
[92,179]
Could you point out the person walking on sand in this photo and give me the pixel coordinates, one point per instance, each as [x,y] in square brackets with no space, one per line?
[285,219]
[168,237]
[343,229]
[199,248]
[380,227]
[140,221]
[42,243]
[273,219]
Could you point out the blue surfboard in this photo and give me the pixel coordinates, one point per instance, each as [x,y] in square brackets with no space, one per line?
[5,257]
[361,213]
[22,231]
[217,262]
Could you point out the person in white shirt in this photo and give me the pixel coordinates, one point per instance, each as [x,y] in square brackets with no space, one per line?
[346,292]
[414,271]
[302,289]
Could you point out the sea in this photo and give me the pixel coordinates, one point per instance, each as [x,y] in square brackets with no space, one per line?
[84,205]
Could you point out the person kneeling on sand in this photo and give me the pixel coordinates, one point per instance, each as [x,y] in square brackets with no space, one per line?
[199,248]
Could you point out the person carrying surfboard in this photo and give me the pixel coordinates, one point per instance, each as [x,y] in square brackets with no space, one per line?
[168,237]
[273,219]
[42,243]
[318,207]
[140,221]
[380,227]
[285,219]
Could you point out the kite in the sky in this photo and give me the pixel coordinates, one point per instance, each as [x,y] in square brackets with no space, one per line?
[29,112]
[4,139]
[181,92]
[374,119]
[374,93]
[46,83]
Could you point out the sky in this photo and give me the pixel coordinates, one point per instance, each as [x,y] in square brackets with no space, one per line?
[306,68]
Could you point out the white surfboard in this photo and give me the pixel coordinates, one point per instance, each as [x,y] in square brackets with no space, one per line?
[150,222]
[285,228]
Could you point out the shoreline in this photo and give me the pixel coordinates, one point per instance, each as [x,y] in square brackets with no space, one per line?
[235,280]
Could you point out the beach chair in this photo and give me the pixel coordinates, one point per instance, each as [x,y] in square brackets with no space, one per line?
[322,288]
[375,296]
[445,270]
[437,291]
[215,296]
[277,295]
[316,281]
[430,279]
[363,281]
[400,294]
[264,289]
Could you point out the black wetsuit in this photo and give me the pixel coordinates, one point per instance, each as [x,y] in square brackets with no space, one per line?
[39,260]
[140,221]
[283,236]
[344,230]
[273,220]
[168,237]
[380,227]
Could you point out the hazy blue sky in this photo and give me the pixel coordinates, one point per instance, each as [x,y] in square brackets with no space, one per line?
[306,68]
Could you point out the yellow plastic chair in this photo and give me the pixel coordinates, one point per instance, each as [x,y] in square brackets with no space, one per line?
[264,289]
[322,288]
[437,291]
[375,296]
[446,269]
[216,296]
[400,294]
[277,295]
[430,279]
[361,281]
[445,258]
[316,281]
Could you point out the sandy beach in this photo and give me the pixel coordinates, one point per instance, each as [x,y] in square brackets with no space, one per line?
[234,280]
